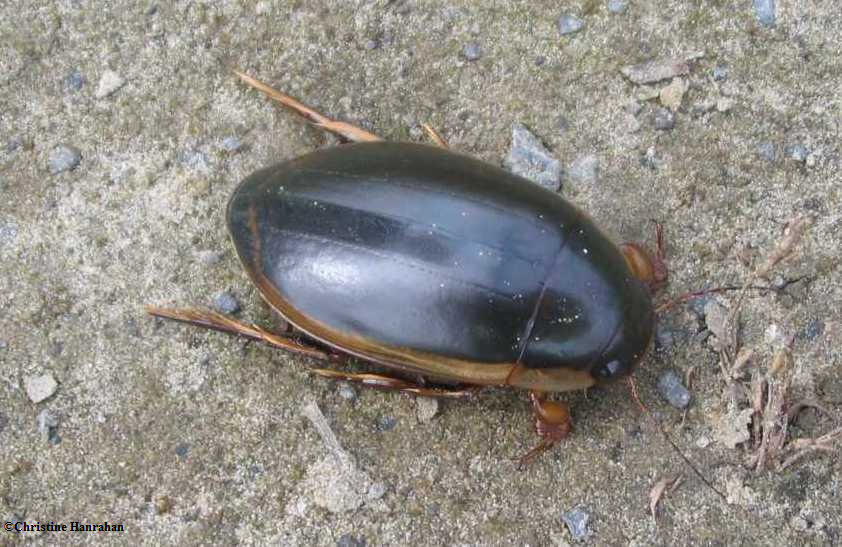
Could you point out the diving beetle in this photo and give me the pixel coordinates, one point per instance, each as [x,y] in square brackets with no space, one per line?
[435,264]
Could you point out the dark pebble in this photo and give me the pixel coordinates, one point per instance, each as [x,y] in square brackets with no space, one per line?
[797,152]
[225,302]
[767,151]
[4,421]
[664,119]
[182,449]
[697,306]
[577,522]
[74,81]
[387,423]
[347,540]
[664,337]
[48,426]
[671,389]
[471,51]
[814,329]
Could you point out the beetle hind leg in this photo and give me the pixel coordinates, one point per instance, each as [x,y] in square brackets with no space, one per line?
[223,323]
[552,424]
[389,383]
[344,130]
[434,136]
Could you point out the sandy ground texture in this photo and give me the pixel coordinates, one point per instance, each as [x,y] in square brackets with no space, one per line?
[123,132]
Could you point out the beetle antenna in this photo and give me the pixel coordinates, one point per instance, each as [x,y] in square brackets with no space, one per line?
[666,436]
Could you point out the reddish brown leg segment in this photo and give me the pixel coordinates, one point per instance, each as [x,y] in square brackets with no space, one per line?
[434,135]
[389,383]
[552,423]
[343,129]
[651,270]
[217,321]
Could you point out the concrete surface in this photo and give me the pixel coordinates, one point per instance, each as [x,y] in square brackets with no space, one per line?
[188,436]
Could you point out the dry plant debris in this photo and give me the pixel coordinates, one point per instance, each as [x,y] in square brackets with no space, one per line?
[761,408]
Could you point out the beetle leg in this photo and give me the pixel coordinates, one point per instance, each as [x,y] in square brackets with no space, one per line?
[389,383]
[343,129]
[552,423]
[651,270]
[217,321]
[434,135]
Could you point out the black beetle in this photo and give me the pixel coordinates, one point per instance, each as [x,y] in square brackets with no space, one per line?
[435,263]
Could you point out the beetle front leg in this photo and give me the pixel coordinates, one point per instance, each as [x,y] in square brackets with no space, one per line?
[652,270]
[552,423]
[343,129]
[390,383]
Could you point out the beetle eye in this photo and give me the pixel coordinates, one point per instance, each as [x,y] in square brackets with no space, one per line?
[610,369]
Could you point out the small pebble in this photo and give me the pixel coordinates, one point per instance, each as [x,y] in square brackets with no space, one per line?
[347,540]
[584,169]
[4,421]
[8,232]
[672,95]
[633,107]
[74,81]
[181,450]
[814,329]
[225,302]
[109,82]
[664,337]
[64,158]
[3,344]
[376,491]
[618,6]
[797,152]
[346,391]
[163,505]
[471,51]
[529,158]
[209,258]
[40,388]
[716,318]
[724,104]
[372,44]
[697,306]
[703,441]
[577,522]
[664,119]
[569,24]
[655,70]
[764,12]
[231,144]
[194,159]
[426,408]
[650,159]
[387,423]
[720,73]
[671,389]
[767,151]
[48,427]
